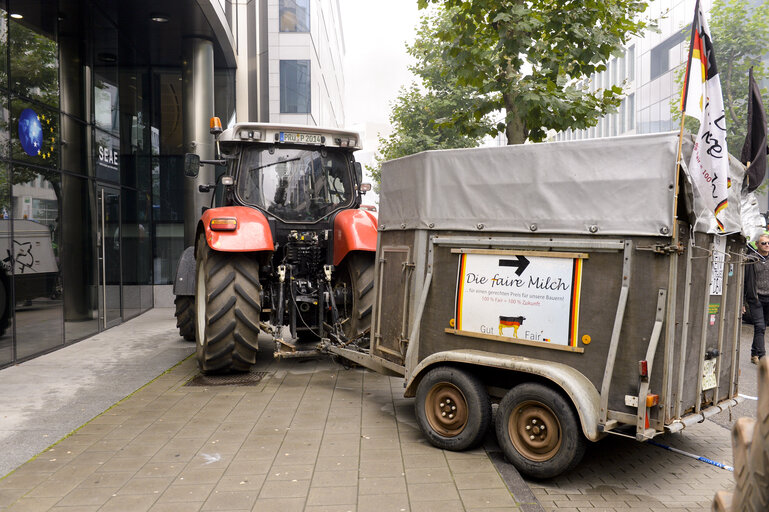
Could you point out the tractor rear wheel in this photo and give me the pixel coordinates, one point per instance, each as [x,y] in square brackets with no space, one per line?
[185,316]
[227,308]
[356,275]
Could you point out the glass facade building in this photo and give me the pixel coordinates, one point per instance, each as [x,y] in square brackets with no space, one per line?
[91,147]
[99,102]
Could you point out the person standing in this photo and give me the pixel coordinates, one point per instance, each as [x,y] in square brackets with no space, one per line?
[757,293]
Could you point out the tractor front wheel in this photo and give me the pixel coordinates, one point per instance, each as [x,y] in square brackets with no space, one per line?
[227,308]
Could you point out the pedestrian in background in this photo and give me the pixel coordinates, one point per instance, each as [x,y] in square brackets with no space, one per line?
[757,293]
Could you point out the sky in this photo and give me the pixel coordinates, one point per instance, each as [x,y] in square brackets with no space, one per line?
[375,35]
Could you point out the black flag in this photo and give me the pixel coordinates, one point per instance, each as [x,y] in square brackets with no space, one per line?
[754,149]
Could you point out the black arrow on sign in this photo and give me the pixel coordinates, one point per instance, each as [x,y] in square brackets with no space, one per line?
[519,262]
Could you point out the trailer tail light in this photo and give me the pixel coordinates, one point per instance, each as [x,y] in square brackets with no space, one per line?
[643,368]
[652,400]
[223,224]
[215,126]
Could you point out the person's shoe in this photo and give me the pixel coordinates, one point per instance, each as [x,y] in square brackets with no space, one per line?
[754,359]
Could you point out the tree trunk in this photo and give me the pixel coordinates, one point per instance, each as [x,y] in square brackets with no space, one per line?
[515,127]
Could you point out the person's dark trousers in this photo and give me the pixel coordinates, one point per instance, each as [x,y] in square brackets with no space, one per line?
[759,311]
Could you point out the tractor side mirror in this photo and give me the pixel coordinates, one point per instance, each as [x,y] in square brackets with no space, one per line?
[365,187]
[358,172]
[191,165]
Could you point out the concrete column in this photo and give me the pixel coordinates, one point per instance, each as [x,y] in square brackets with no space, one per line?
[198,99]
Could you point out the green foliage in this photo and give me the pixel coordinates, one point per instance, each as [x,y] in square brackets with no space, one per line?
[740,35]
[416,118]
[525,58]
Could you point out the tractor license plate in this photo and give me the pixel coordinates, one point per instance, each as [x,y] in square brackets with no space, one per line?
[302,138]
[709,374]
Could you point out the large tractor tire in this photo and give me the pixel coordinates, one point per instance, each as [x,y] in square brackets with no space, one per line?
[227,308]
[452,408]
[538,431]
[750,446]
[357,274]
[185,316]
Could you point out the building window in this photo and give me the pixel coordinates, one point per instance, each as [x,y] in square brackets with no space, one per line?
[631,63]
[294,15]
[660,54]
[295,87]
[630,111]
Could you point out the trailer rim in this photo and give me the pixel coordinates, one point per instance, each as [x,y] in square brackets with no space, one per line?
[446,409]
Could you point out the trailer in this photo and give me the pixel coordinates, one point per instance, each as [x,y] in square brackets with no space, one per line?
[581,286]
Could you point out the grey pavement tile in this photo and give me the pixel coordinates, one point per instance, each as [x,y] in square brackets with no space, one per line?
[382,456]
[295,457]
[230,500]
[330,508]
[293,472]
[79,508]
[382,485]
[124,463]
[279,505]
[241,466]
[134,503]
[159,469]
[373,468]
[428,475]
[285,489]
[33,504]
[177,492]
[24,479]
[438,506]
[332,496]
[482,480]
[433,459]
[252,483]
[146,485]
[433,492]
[197,475]
[342,478]
[175,507]
[471,465]
[114,480]
[8,496]
[83,496]
[393,503]
[490,498]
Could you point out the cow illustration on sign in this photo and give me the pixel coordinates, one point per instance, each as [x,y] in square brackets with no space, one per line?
[510,321]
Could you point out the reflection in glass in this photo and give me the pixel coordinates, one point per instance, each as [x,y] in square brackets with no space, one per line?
[35,133]
[137,252]
[34,64]
[6,307]
[79,266]
[36,280]
[294,15]
[109,240]
[295,86]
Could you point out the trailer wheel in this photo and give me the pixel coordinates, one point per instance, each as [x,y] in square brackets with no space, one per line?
[357,275]
[538,431]
[185,316]
[452,408]
[227,308]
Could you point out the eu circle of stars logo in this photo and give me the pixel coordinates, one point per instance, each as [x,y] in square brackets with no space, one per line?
[46,149]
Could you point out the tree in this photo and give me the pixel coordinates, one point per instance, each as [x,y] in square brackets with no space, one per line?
[419,115]
[740,35]
[527,59]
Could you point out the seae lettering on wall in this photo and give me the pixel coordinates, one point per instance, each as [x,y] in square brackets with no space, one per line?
[108,157]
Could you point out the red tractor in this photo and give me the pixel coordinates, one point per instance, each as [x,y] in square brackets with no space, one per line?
[289,251]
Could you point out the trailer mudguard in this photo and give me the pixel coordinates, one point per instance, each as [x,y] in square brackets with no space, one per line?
[354,230]
[251,234]
[185,274]
[580,390]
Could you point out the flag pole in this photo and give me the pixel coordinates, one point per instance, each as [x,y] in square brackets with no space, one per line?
[678,173]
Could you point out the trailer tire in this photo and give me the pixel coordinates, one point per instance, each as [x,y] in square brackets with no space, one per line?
[452,408]
[357,272]
[185,316]
[227,309]
[533,409]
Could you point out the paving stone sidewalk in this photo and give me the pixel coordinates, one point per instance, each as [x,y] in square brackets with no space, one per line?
[310,436]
